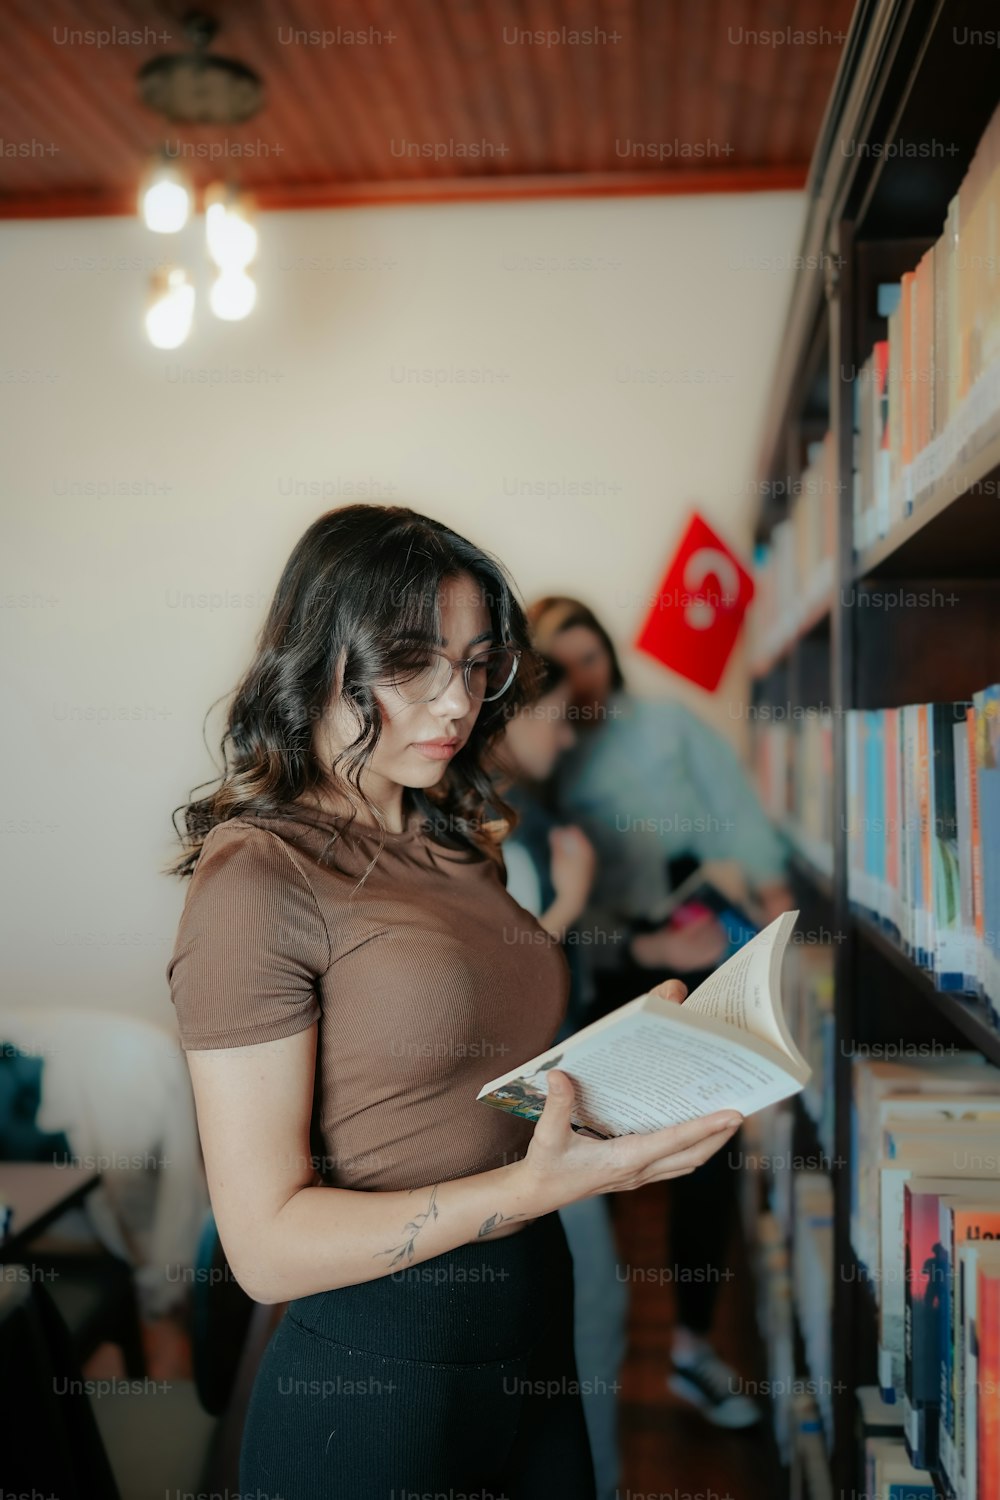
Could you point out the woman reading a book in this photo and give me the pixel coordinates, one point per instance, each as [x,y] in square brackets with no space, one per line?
[648,782]
[349,970]
[550,870]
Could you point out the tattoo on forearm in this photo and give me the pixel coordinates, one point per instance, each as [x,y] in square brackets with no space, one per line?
[412,1229]
[494,1221]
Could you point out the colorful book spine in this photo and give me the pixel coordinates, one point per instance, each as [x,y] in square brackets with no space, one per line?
[949,945]
[972,1392]
[941,366]
[986,706]
[968,1217]
[976,845]
[988,1410]
[963,831]
[923,834]
[925,1271]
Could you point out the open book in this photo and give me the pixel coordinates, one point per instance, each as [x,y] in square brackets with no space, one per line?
[653,1062]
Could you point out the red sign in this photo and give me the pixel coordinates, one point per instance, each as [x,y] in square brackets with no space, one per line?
[693,624]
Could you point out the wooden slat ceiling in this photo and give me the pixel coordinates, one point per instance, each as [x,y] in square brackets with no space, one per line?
[721,94]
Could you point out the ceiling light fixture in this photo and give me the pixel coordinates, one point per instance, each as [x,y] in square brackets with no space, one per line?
[165,197]
[170,310]
[229,232]
[197,88]
[233,295]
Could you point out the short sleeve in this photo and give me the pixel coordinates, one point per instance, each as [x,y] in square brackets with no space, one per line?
[250,945]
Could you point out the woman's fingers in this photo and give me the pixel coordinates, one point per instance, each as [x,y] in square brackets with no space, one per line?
[626,1161]
[687,1161]
[553,1123]
[674,1138]
[670,989]
[646,1151]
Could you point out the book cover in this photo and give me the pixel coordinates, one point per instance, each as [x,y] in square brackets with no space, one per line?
[895,419]
[907,384]
[965,1462]
[975,842]
[934,1145]
[988,1366]
[969,1215]
[987,726]
[906,803]
[951,229]
[876,1087]
[880,438]
[949,947]
[942,273]
[890,776]
[924,953]
[963,817]
[925,1286]
[924,354]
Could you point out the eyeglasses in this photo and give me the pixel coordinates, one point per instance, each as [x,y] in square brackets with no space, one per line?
[426,674]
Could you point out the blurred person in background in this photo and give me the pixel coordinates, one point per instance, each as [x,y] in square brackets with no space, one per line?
[550,869]
[655,789]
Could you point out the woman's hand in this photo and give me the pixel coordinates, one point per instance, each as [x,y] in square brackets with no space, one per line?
[696,945]
[773,899]
[561,1165]
[572,870]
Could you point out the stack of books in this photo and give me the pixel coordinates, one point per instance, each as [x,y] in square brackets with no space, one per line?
[773,1282]
[871,443]
[793,570]
[923,834]
[807,991]
[925,1225]
[778,1217]
[810,1468]
[889,1474]
[793,768]
[812,1280]
[929,395]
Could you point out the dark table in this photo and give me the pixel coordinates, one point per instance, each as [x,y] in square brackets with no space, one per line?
[39,1192]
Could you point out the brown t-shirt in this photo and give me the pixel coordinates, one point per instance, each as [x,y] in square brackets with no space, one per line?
[426,982]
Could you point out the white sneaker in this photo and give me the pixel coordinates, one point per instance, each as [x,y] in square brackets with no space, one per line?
[711,1385]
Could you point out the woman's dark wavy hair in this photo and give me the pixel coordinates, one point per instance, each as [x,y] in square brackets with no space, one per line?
[363,581]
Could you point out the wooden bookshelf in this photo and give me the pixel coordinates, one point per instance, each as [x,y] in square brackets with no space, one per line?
[821,879]
[967,1014]
[815,619]
[904,77]
[935,538]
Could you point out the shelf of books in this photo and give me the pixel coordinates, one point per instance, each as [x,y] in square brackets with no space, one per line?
[872,1201]
[793,569]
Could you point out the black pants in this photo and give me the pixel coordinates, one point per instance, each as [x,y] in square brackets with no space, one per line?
[702,1204]
[456,1376]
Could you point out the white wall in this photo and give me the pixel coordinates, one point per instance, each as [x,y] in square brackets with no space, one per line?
[110,672]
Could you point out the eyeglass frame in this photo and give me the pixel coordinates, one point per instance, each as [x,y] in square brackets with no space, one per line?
[466,663]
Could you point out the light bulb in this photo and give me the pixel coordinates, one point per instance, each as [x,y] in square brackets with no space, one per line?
[232,238]
[233,295]
[165,200]
[171,309]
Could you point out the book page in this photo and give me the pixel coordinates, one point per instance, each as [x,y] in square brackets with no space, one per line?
[651,1070]
[745,992]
